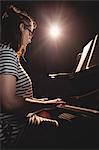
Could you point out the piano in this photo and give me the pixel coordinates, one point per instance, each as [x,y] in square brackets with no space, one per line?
[79,118]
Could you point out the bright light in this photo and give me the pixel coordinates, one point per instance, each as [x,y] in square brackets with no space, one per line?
[54,31]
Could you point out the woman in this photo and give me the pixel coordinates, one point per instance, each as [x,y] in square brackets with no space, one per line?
[16,95]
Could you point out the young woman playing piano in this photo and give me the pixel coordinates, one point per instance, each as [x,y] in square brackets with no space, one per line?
[16,95]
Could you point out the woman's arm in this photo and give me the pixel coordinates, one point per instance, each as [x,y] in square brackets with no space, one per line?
[11,102]
[8,98]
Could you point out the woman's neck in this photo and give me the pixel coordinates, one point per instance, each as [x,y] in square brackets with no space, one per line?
[21,52]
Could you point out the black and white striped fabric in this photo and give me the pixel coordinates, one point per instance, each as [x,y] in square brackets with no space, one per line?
[10,64]
[12,128]
[10,125]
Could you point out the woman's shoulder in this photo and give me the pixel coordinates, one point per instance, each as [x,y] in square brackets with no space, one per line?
[6,49]
[8,60]
[7,54]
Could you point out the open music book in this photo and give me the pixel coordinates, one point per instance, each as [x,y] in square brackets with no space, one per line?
[89,48]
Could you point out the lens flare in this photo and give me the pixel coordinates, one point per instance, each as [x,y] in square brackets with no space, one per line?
[54,31]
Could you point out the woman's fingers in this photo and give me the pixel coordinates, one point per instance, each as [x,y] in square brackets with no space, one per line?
[37,120]
[55,101]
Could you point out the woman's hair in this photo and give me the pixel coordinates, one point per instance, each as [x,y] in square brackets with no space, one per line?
[10,31]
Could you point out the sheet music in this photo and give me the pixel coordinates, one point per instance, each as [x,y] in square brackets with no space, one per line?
[93,47]
[83,56]
[85,52]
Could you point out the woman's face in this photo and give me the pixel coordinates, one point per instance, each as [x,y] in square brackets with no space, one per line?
[26,35]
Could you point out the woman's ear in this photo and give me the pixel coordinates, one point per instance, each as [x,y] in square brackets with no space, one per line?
[21,26]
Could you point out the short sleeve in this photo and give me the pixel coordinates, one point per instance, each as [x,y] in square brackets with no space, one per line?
[8,61]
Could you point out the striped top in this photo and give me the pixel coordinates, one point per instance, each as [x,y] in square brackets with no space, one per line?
[10,65]
[11,126]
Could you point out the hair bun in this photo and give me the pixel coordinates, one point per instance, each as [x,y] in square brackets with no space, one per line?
[10,11]
[14,9]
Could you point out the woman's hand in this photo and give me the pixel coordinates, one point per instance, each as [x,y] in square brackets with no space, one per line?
[56,101]
[37,120]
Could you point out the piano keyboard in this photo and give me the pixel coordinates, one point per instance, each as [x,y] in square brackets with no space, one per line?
[66,116]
